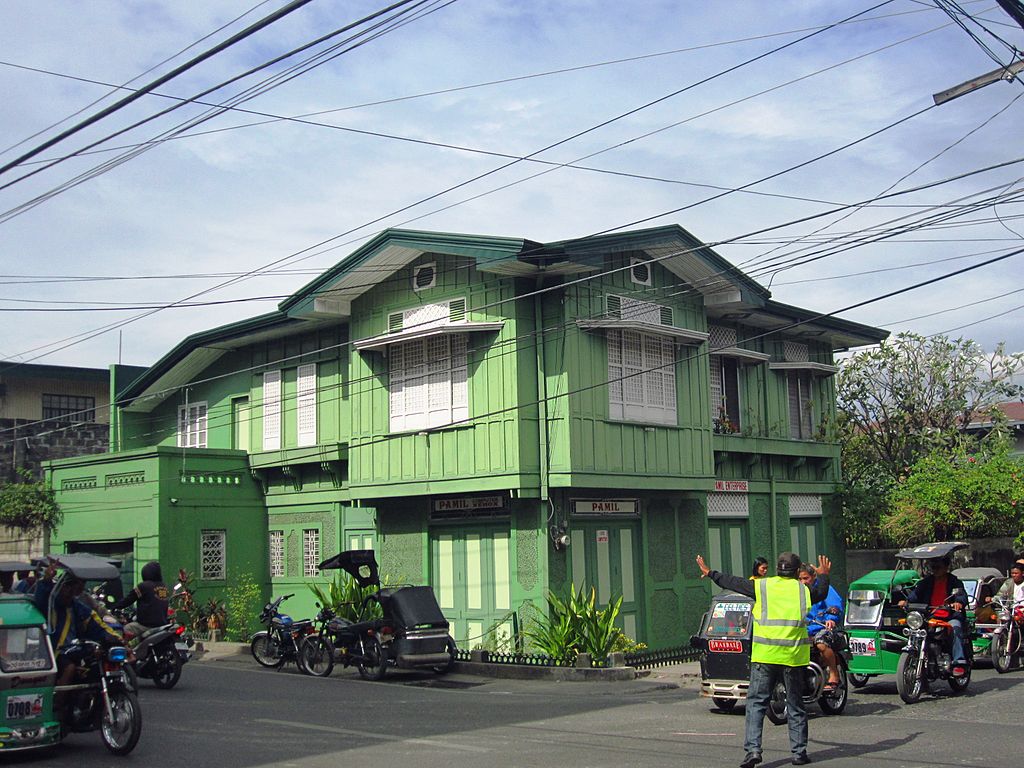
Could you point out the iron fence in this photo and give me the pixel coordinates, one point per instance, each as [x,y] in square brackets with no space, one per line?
[662,657]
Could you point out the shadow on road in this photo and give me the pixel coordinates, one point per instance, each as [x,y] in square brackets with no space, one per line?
[837,749]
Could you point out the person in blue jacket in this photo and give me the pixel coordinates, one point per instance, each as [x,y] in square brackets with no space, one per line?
[822,620]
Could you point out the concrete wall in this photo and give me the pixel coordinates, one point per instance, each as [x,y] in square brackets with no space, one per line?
[44,443]
[993,552]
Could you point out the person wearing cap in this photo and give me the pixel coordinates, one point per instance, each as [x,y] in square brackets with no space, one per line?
[781,647]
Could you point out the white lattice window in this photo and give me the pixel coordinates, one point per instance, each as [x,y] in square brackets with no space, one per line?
[728,505]
[720,337]
[310,552]
[192,425]
[804,505]
[428,316]
[427,384]
[271,410]
[801,416]
[305,406]
[794,352]
[276,554]
[641,377]
[625,308]
[213,555]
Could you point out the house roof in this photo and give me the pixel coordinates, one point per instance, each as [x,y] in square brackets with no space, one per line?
[1013,411]
[727,292]
[12,369]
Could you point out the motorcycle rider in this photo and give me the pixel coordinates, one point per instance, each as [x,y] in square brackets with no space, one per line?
[936,589]
[152,596]
[780,649]
[822,620]
[1012,590]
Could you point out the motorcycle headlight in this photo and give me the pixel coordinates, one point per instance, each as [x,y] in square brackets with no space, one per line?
[117,654]
[915,620]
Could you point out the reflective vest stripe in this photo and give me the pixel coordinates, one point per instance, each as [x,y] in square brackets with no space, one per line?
[780,623]
[787,641]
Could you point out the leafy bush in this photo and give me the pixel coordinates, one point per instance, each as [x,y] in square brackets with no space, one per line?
[243,603]
[576,625]
[29,505]
[346,598]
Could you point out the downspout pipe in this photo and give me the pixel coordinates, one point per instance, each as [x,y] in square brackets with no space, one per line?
[542,392]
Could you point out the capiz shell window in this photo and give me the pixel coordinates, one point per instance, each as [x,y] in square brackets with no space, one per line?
[641,377]
[428,382]
[213,555]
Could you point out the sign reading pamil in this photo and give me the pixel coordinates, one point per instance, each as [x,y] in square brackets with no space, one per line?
[598,507]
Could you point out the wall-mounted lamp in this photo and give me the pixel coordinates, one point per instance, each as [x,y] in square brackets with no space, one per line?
[173,501]
[559,536]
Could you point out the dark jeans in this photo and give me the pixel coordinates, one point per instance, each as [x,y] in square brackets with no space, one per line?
[763,678]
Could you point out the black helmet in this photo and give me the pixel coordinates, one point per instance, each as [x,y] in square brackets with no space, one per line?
[787,564]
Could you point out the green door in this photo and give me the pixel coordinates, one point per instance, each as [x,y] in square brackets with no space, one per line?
[728,550]
[472,580]
[805,537]
[240,419]
[605,555]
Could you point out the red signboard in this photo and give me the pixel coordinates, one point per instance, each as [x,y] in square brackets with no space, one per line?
[731,486]
[725,646]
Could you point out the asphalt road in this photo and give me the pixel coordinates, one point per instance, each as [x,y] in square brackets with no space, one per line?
[232,714]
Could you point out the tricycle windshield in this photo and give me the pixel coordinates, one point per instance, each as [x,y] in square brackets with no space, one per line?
[24,649]
[865,607]
[729,619]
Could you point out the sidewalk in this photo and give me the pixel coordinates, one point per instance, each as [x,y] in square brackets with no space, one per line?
[685,674]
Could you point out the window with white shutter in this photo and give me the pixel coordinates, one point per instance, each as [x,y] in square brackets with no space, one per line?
[306,404]
[801,417]
[192,425]
[271,410]
[641,377]
[428,381]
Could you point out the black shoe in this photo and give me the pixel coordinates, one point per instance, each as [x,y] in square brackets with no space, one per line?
[801,759]
[752,759]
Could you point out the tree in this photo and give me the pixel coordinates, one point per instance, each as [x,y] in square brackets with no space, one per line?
[906,399]
[29,505]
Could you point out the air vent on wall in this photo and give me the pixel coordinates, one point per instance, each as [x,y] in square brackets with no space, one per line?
[613,305]
[394,322]
[424,277]
[666,316]
[456,310]
[640,272]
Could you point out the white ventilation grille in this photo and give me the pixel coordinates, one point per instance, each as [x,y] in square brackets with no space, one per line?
[640,271]
[804,505]
[276,554]
[721,338]
[625,308]
[794,352]
[424,277]
[728,505]
[310,552]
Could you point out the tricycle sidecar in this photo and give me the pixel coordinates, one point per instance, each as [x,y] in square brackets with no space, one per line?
[981,583]
[724,638]
[28,674]
[872,614]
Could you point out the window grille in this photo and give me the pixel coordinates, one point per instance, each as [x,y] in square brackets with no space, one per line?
[213,555]
[794,352]
[728,505]
[641,377]
[72,409]
[804,505]
[306,404]
[310,552]
[801,418]
[721,338]
[276,554]
[271,410]
[192,425]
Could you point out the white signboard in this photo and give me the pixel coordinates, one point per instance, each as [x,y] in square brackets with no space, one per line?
[466,503]
[602,537]
[606,507]
[731,486]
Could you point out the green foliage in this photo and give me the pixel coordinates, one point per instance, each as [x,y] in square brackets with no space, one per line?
[959,494]
[575,625]
[243,603]
[345,597]
[28,505]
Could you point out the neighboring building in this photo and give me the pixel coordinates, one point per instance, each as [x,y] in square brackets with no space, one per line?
[458,403]
[1013,413]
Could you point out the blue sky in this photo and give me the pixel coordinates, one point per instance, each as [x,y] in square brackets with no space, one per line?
[234,200]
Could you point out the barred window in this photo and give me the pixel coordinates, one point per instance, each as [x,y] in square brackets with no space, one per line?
[310,552]
[69,408]
[276,553]
[213,555]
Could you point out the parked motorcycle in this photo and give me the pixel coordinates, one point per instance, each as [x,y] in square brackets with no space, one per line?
[279,642]
[1006,637]
[355,644]
[927,655]
[831,700]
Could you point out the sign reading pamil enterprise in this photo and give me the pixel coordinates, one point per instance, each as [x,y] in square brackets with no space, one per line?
[606,507]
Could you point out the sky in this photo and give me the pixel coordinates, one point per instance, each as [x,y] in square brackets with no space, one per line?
[801,108]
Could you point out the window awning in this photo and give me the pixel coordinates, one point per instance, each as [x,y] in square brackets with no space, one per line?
[682,335]
[382,342]
[815,369]
[745,355]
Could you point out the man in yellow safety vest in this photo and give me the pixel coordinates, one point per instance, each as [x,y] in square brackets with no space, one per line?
[781,647]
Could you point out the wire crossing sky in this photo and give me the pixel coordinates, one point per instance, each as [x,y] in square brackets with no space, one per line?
[227,202]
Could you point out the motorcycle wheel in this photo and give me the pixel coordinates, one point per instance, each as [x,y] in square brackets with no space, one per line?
[376,665]
[443,669]
[316,656]
[908,684]
[121,734]
[131,678]
[1003,646]
[858,681]
[834,702]
[959,684]
[168,673]
[776,709]
[726,705]
[266,650]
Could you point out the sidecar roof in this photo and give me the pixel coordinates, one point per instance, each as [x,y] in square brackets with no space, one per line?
[932,551]
[87,567]
[880,580]
[11,566]
[360,564]
[19,611]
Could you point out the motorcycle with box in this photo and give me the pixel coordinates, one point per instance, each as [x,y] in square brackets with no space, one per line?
[872,613]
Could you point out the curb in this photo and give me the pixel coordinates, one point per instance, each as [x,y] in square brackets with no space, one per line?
[559,674]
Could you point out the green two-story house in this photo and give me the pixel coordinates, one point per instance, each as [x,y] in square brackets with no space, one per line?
[495,417]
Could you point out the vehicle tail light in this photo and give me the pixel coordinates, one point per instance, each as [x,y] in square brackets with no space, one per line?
[179,630]
[386,630]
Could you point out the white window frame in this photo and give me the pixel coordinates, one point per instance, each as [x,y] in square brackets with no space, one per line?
[192,423]
[636,383]
[310,552]
[305,406]
[801,423]
[271,410]
[213,555]
[276,549]
[428,382]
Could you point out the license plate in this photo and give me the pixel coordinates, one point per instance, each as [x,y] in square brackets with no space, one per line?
[26,707]
[860,646]
[725,646]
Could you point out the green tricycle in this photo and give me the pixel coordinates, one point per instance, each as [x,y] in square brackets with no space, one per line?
[98,698]
[871,623]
